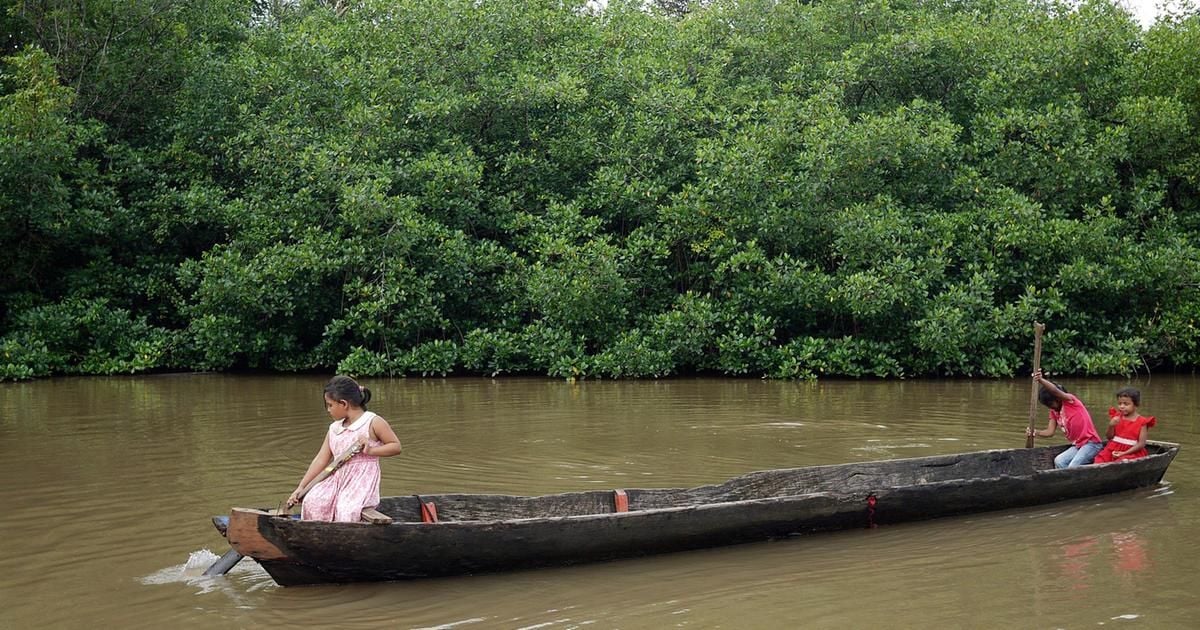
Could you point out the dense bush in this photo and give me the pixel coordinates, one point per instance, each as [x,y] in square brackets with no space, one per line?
[761,188]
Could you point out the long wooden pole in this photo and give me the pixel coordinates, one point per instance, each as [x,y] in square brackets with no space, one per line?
[1037,365]
[335,464]
[232,557]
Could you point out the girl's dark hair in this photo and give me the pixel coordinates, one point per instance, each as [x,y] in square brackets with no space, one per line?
[347,389]
[1132,393]
[1046,397]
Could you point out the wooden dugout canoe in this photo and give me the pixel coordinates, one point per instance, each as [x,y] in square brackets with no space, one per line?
[477,533]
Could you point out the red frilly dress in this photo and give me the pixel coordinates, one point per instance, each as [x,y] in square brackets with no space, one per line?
[1126,435]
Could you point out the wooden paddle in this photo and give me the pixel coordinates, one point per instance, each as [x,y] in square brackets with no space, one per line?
[1037,365]
[232,557]
[335,464]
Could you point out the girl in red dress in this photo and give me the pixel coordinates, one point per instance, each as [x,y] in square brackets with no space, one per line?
[1126,429]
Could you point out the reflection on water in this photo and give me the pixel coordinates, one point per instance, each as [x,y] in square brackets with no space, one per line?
[1073,562]
[1122,556]
[1119,560]
[1132,555]
[110,482]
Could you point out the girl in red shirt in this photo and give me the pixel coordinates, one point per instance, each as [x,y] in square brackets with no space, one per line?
[1067,413]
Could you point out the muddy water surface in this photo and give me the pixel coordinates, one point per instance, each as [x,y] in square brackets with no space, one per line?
[109,484]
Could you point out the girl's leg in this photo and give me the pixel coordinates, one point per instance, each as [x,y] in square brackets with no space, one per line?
[1085,455]
[1063,459]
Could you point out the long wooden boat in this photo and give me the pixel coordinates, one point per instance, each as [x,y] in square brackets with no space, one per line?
[475,533]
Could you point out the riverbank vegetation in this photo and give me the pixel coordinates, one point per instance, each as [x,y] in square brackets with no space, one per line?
[762,188]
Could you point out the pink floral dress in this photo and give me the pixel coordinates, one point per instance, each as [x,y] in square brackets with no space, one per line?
[343,495]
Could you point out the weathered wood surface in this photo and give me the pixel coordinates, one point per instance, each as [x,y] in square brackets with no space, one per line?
[375,517]
[485,533]
[232,557]
[1038,329]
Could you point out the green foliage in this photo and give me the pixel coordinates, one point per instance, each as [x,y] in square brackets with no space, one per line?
[83,337]
[125,59]
[742,187]
[811,357]
[49,197]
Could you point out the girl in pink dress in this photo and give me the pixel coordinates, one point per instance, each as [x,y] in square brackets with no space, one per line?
[343,495]
[1127,430]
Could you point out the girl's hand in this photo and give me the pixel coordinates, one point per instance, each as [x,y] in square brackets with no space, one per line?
[1119,453]
[1030,432]
[293,498]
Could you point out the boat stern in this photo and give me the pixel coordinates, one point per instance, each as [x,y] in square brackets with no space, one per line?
[245,534]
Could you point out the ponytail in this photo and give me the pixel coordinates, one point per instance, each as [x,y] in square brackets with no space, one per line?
[347,389]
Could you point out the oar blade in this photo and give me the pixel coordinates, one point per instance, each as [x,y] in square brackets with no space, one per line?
[224,563]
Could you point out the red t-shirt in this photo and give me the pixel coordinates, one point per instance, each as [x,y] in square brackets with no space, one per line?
[1075,421]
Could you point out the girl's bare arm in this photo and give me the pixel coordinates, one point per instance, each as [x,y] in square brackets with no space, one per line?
[1051,387]
[319,462]
[382,432]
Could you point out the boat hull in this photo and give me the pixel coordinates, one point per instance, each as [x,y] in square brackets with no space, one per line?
[489,533]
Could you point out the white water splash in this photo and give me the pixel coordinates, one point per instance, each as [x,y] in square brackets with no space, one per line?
[191,572]
[194,568]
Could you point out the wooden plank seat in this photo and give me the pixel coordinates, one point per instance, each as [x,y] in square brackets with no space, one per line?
[375,517]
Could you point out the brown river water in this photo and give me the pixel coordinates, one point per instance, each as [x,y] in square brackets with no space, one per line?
[109,484]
